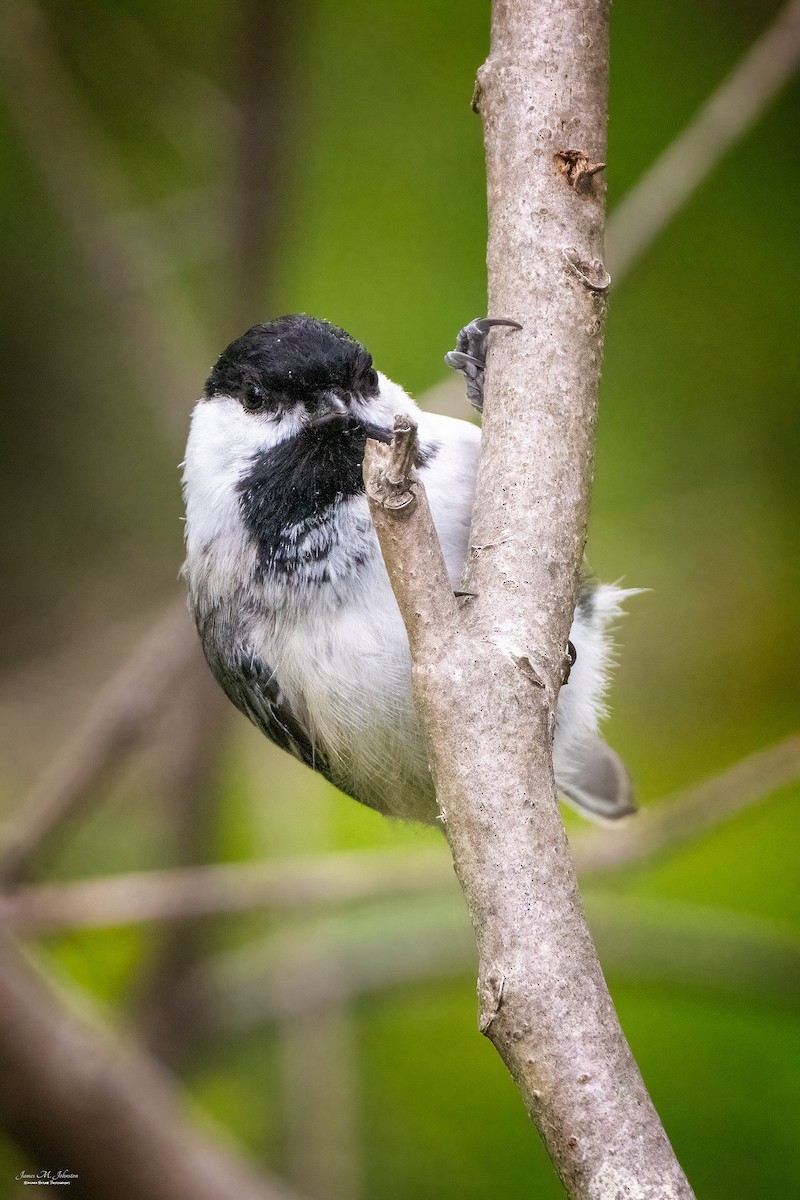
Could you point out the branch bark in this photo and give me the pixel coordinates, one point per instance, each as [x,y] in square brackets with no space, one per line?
[487,670]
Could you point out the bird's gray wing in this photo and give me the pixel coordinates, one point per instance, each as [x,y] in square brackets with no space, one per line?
[254,689]
[251,684]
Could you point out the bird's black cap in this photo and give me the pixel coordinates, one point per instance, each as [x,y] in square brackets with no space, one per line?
[297,356]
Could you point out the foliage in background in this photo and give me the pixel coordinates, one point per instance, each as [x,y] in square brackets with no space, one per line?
[380,226]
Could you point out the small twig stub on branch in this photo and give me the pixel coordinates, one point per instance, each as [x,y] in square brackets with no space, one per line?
[577,168]
[389,475]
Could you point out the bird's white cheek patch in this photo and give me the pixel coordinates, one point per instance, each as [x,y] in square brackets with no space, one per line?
[391,400]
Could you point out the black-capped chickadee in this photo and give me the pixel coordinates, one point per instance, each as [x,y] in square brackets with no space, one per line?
[286,580]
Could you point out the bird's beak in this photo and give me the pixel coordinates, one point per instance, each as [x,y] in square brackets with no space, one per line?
[330,408]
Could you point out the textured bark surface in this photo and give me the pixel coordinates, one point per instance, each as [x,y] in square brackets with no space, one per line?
[488,667]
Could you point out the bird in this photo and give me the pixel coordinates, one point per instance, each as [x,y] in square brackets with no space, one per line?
[287,586]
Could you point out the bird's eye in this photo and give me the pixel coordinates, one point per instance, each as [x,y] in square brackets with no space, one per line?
[254,400]
[372,379]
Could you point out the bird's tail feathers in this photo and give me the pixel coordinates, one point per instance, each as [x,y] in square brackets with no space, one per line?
[596,782]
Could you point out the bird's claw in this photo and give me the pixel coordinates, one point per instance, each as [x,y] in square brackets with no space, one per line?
[469,356]
[460,361]
[484,324]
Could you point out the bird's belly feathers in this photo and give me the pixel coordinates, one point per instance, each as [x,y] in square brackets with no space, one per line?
[348,675]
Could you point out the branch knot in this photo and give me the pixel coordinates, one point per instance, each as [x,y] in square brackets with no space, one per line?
[491,993]
[593,274]
[577,168]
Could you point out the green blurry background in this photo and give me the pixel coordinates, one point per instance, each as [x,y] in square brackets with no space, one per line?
[252,160]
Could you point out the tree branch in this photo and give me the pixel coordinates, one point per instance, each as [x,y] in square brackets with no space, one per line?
[544,1002]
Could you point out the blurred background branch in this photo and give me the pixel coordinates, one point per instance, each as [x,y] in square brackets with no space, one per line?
[72,1093]
[264,85]
[693,811]
[88,190]
[184,893]
[124,711]
[337,958]
[189,792]
[683,167]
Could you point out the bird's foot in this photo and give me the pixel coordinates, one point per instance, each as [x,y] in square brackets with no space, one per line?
[469,356]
